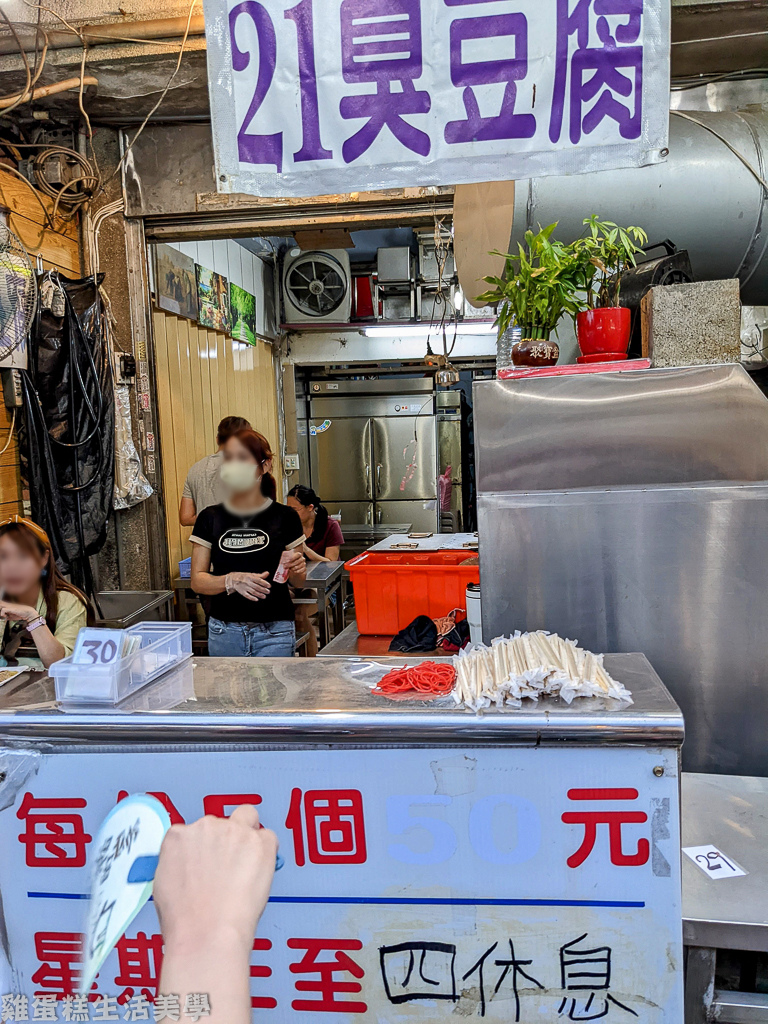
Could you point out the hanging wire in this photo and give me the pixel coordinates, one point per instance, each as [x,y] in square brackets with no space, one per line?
[163,94]
[726,143]
[10,433]
[90,182]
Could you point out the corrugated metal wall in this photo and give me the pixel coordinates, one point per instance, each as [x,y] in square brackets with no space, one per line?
[204,375]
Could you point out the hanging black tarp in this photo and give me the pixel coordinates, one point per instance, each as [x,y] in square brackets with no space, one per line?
[68,429]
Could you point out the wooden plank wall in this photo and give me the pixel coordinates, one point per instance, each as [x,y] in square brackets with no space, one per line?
[202,376]
[10,482]
[59,248]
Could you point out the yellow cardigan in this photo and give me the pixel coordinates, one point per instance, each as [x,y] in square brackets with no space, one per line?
[70,619]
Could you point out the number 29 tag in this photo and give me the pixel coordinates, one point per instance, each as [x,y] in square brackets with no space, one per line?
[98,646]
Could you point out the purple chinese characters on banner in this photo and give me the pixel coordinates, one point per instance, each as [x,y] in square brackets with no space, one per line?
[312,148]
[598,73]
[381,44]
[507,124]
[257,149]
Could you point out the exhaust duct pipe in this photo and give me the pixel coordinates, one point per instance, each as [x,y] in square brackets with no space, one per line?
[710,197]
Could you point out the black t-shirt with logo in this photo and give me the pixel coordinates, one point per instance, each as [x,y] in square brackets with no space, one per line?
[249,543]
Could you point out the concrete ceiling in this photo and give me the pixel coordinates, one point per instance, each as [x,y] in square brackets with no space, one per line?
[707,38]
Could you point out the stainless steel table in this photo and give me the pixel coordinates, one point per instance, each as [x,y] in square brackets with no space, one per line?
[324,578]
[358,537]
[371,530]
[350,643]
[123,608]
[731,813]
[404,826]
[437,542]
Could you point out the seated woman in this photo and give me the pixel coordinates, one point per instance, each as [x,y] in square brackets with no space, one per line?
[40,613]
[323,536]
[237,547]
[322,543]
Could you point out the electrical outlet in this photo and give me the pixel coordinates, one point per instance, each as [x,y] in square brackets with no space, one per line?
[12,393]
[291,463]
[127,369]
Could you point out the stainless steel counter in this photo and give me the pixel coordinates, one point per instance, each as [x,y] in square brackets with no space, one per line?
[297,701]
[731,813]
[627,511]
[405,827]
[350,643]
[437,542]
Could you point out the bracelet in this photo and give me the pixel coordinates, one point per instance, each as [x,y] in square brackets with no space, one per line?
[39,621]
[228,584]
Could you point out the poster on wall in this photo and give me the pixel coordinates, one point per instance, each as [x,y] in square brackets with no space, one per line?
[175,283]
[243,310]
[213,299]
[328,96]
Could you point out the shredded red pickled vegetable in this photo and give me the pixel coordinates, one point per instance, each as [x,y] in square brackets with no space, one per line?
[430,677]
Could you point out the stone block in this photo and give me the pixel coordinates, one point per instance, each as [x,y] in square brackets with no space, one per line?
[691,324]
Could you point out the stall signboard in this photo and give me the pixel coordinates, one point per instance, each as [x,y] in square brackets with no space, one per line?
[330,96]
[511,884]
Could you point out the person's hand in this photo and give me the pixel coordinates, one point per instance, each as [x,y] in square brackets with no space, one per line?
[295,563]
[213,880]
[252,585]
[17,612]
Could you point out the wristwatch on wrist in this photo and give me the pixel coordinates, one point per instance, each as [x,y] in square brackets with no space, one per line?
[39,621]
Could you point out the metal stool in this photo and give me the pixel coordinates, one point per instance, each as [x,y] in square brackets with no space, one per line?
[300,645]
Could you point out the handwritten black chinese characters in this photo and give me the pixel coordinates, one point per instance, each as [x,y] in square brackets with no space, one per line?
[414,971]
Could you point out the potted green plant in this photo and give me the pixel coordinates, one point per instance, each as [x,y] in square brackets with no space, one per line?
[539,285]
[605,252]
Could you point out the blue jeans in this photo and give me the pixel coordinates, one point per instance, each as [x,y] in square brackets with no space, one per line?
[251,639]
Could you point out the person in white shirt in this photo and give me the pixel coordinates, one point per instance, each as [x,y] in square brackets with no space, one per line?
[203,486]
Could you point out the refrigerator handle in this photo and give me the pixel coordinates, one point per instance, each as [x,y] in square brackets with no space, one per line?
[378,478]
[378,514]
[368,480]
[369,515]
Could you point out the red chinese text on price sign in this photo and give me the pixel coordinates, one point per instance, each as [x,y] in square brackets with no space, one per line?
[509,884]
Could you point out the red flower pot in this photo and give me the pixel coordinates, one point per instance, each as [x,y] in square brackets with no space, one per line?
[603,330]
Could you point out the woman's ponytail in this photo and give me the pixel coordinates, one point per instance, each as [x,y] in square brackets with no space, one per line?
[268,486]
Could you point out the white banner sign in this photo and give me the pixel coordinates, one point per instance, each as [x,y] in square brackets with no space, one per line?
[328,96]
[418,885]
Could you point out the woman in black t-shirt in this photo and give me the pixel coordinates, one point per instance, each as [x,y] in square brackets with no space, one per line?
[237,550]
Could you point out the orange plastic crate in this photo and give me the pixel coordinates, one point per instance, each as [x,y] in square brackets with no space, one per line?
[391,589]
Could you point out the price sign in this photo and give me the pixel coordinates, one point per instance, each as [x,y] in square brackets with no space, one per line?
[420,886]
[98,646]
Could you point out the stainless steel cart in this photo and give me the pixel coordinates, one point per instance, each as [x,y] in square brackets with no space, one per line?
[437,862]
[730,813]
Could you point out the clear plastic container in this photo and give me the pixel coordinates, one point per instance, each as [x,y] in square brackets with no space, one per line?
[163,645]
[504,344]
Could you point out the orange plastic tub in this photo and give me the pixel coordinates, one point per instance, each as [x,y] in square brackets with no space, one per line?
[391,589]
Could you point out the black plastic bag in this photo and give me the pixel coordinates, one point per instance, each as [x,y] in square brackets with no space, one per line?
[68,431]
[420,635]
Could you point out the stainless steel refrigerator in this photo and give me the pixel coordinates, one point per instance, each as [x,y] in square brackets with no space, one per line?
[373,451]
